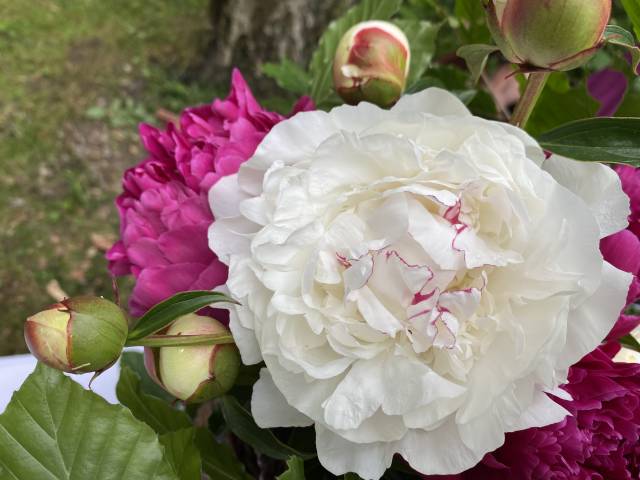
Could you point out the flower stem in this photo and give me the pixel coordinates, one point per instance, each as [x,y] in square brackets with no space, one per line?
[180,340]
[535,85]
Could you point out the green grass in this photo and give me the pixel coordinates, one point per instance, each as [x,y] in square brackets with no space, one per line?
[76,77]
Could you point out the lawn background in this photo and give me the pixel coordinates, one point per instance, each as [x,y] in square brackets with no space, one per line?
[76,78]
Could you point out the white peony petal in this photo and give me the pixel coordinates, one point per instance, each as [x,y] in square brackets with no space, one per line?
[434,101]
[269,407]
[483,433]
[339,456]
[533,150]
[357,397]
[396,384]
[357,119]
[590,323]
[598,185]
[374,312]
[228,236]
[542,412]
[307,130]
[435,235]
[245,340]
[439,452]
[225,197]
[301,392]
[380,427]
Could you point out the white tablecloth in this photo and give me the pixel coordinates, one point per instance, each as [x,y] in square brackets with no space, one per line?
[15,369]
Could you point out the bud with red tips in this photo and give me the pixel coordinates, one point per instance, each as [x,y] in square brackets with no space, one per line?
[78,335]
[194,373]
[371,64]
[548,34]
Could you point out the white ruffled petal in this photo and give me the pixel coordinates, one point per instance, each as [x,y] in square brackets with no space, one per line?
[269,407]
[542,412]
[225,197]
[440,451]
[590,323]
[229,236]
[598,185]
[245,339]
[434,101]
[357,397]
[339,456]
[306,130]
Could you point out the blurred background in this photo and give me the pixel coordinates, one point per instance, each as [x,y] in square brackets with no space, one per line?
[76,79]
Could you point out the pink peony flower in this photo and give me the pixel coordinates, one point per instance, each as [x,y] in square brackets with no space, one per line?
[164,212]
[623,248]
[608,87]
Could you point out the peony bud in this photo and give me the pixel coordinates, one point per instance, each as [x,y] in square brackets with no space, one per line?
[194,373]
[371,64]
[549,34]
[78,335]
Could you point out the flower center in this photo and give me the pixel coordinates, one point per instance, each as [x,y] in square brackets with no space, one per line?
[395,293]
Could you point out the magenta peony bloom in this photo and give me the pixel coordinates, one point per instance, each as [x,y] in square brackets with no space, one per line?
[164,213]
[608,87]
[623,248]
[600,441]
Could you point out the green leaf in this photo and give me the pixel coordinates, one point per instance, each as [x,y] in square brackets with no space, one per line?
[422,42]
[242,424]
[476,57]
[295,470]
[633,11]
[218,460]
[630,105]
[608,140]
[322,60]
[472,19]
[616,35]
[156,413]
[289,76]
[167,311]
[629,341]
[182,453]
[54,429]
[182,340]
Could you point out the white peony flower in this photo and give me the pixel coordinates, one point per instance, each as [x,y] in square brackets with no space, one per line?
[415,279]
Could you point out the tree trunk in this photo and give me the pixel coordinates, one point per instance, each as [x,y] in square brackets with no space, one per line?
[248,33]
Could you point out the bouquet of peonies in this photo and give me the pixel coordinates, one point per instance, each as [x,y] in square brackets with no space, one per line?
[420,283]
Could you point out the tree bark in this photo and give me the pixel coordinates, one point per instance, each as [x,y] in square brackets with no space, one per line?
[248,33]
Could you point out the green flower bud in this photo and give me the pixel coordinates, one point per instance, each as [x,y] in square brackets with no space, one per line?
[194,373]
[371,64]
[549,34]
[78,335]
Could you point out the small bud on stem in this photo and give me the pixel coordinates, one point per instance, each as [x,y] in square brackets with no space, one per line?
[548,34]
[194,373]
[371,64]
[78,335]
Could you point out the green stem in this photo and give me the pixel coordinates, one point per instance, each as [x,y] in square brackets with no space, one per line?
[535,85]
[180,340]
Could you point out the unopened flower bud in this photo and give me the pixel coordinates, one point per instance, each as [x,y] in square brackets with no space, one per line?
[549,35]
[194,373]
[78,335]
[371,64]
